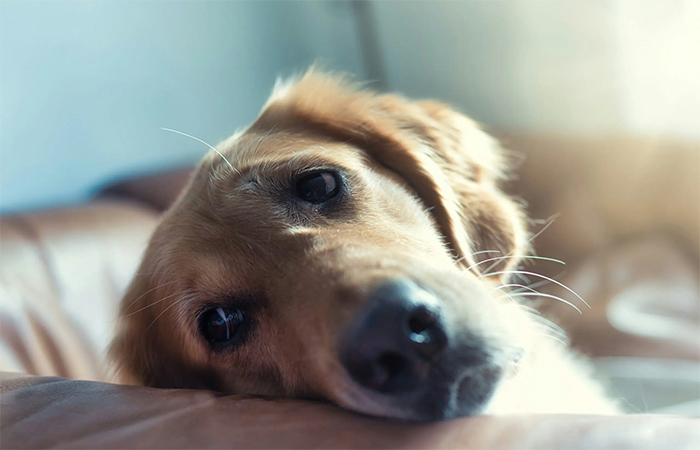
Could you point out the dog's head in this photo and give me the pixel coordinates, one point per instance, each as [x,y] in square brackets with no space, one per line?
[332,251]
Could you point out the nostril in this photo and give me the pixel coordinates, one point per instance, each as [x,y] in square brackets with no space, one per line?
[425,332]
[392,345]
[421,320]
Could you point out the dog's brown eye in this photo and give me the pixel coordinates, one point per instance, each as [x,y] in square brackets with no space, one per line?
[220,325]
[317,187]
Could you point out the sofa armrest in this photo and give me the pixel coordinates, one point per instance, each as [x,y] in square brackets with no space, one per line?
[62,274]
[158,190]
[55,412]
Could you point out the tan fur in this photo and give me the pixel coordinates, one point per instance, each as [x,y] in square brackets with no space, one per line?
[424,200]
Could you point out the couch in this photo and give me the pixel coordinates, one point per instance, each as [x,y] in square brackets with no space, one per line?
[628,226]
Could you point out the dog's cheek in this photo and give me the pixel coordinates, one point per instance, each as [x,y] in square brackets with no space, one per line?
[525,329]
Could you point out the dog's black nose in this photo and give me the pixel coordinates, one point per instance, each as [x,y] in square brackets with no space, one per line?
[392,343]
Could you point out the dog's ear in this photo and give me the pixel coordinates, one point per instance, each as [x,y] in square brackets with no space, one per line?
[139,347]
[131,351]
[452,165]
[475,164]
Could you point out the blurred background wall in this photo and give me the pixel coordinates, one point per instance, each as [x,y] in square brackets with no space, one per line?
[593,66]
[85,86]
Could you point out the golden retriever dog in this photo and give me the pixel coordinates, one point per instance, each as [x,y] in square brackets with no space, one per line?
[355,248]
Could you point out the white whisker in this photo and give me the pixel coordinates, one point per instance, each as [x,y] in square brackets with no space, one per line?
[205,143]
[151,304]
[485,251]
[539,294]
[532,286]
[522,272]
[533,311]
[544,228]
[553,337]
[147,292]
[474,253]
[500,258]
[510,297]
[158,316]
[532,238]
[514,285]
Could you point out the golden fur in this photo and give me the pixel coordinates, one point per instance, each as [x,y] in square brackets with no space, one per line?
[424,204]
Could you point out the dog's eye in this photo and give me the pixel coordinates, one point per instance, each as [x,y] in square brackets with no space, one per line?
[318,187]
[220,325]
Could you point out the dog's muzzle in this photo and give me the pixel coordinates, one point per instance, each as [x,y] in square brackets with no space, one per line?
[399,348]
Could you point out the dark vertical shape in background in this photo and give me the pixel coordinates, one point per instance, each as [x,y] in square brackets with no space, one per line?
[369,43]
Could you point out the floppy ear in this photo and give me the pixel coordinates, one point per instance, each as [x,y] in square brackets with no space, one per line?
[131,350]
[475,164]
[139,347]
[452,165]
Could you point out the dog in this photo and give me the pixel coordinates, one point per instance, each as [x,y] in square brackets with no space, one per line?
[355,248]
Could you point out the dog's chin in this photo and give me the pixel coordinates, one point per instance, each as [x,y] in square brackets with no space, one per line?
[441,398]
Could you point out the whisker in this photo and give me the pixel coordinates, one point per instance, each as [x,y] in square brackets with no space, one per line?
[549,325]
[143,274]
[484,251]
[539,294]
[475,253]
[543,322]
[151,304]
[158,316]
[510,297]
[533,285]
[522,272]
[551,220]
[515,285]
[148,292]
[529,309]
[553,337]
[488,269]
[534,313]
[205,143]
[501,258]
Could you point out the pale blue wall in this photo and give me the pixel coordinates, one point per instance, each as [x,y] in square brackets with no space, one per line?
[85,86]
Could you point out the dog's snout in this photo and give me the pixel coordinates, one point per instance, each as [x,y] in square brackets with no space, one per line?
[391,345]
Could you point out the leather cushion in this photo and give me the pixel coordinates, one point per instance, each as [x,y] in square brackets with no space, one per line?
[53,412]
[62,275]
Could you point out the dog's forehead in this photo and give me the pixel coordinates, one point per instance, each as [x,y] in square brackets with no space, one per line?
[279,148]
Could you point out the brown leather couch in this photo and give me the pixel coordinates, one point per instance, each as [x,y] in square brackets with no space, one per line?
[628,226]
